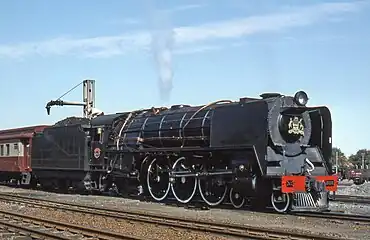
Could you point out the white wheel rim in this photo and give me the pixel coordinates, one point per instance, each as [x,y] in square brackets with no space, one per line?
[148,184]
[208,202]
[173,189]
[232,201]
[281,210]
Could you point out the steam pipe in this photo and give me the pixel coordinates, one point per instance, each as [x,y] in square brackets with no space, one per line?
[88,103]
[61,103]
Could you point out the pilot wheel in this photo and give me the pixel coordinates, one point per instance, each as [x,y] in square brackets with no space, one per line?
[281,202]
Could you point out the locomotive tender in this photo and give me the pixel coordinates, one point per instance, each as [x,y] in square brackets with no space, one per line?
[272,150]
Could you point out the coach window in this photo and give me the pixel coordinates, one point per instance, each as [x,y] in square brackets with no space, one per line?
[100,132]
[7,149]
[1,150]
[15,148]
[98,136]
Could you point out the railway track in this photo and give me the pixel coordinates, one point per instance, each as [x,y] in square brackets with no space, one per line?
[351,199]
[19,225]
[232,230]
[338,216]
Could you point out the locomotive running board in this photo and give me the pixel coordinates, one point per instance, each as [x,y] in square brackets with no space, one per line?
[183,149]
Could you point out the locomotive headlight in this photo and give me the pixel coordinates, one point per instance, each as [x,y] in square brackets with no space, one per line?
[301,98]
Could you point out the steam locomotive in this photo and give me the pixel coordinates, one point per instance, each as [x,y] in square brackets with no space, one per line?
[272,150]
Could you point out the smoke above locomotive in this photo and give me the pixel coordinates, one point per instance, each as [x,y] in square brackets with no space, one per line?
[162,41]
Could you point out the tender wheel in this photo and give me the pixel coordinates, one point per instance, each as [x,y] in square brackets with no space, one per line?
[212,189]
[280,201]
[183,188]
[158,179]
[236,199]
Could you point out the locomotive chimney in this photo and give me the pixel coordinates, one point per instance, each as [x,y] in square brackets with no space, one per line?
[269,95]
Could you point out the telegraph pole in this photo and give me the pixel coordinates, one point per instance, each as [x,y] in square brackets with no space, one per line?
[363,160]
[336,162]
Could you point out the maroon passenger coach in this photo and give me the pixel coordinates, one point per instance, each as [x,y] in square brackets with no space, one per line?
[15,156]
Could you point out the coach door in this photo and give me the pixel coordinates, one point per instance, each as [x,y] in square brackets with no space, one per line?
[24,154]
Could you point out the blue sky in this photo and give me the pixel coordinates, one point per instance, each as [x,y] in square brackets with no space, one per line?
[206,49]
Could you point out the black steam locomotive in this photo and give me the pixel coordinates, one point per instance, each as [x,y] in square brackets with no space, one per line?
[271,150]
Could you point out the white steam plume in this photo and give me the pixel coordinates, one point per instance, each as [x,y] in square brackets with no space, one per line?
[162,41]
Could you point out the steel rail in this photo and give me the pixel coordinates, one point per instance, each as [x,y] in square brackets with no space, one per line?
[337,216]
[22,230]
[350,199]
[15,220]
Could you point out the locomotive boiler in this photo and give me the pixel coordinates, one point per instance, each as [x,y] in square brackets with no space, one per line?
[272,150]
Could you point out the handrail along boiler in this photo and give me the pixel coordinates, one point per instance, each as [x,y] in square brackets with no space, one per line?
[269,150]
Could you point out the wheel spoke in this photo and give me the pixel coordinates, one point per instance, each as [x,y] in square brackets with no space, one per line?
[158,180]
[236,199]
[183,188]
[280,201]
[213,190]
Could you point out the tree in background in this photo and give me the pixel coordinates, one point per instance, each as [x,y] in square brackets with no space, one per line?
[343,161]
[356,159]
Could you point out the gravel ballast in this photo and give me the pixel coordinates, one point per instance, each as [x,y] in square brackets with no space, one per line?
[150,231]
[349,188]
[273,221]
